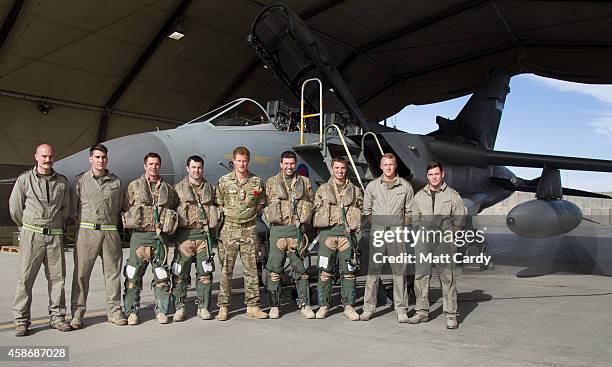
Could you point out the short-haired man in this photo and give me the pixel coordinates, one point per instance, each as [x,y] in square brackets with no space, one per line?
[40,205]
[337,214]
[440,208]
[198,215]
[149,211]
[242,196]
[97,200]
[387,202]
[289,208]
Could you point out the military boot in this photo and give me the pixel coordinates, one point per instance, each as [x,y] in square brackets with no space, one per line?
[180,314]
[418,318]
[204,314]
[222,315]
[77,322]
[307,312]
[22,329]
[132,319]
[451,322]
[402,317]
[366,315]
[350,313]
[118,319]
[256,312]
[162,318]
[274,313]
[322,312]
[60,325]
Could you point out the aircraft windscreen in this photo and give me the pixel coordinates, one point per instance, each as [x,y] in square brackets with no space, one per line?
[240,112]
[243,114]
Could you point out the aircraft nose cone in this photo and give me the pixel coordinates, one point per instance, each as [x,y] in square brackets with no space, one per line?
[510,221]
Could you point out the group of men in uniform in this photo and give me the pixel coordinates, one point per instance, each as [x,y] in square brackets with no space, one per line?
[42,201]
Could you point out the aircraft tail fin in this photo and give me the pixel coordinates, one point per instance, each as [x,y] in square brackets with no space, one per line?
[478,121]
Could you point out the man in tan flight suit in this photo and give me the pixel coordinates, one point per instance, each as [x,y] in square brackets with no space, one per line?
[242,196]
[386,203]
[97,200]
[40,205]
[439,208]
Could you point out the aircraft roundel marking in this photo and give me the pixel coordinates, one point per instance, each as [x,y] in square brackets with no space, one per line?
[302,169]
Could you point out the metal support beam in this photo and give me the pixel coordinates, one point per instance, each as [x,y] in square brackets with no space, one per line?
[507,23]
[474,56]
[138,66]
[250,68]
[10,21]
[408,29]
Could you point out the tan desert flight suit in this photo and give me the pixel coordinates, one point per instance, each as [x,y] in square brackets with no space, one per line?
[97,203]
[40,205]
[389,204]
[441,211]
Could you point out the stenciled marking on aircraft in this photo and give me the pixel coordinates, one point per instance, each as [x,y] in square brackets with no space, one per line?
[302,170]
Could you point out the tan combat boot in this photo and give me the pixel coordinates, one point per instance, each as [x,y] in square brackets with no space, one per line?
[451,322]
[118,319]
[322,312]
[61,325]
[77,322]
[22,329]
[222,315]
[402,317]
[180,314]
[274,313]
[307,312]
[418,318]
[256,312]
[366,315]
[204,314]
[350,313]
[132,319]
[162,318]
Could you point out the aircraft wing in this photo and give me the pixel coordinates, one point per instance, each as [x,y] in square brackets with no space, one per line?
[466,155]
[518,184]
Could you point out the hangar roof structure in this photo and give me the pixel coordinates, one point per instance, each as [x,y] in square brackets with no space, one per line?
[76,72]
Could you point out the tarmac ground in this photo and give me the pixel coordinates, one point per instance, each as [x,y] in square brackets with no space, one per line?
[544,302]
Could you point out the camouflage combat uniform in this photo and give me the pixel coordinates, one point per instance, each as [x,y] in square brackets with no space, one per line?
[289,206]
[197,217]
[40,205]
[331,200]
[442,211]
[239,200]
[142,200]
[97,203]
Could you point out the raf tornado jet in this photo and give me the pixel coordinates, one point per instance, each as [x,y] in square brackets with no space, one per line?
[327,123]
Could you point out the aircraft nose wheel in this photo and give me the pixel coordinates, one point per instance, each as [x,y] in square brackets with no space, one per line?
[475,250]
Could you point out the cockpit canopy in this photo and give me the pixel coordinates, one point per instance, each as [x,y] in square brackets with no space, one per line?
[240,112]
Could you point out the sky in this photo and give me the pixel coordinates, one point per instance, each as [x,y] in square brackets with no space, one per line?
[542,116]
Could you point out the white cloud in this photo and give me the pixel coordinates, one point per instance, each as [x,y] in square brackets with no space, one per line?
[601,92]
[602,124]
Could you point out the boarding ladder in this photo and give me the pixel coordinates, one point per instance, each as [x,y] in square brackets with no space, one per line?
[332,143]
